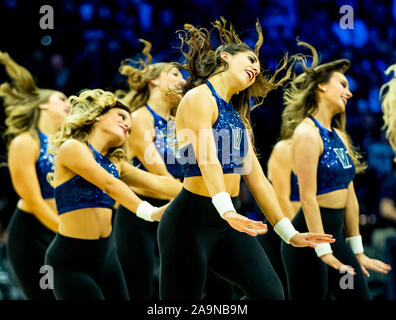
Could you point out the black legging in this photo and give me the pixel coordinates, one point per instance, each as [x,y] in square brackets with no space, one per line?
[192,237]
[136,243]
[271,243]
[27,243]
[137,249]
[86,269]
[309,278]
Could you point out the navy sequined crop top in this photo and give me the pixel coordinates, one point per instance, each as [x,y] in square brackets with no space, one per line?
[230,138]
[165,142]
[44,166]
[78,193]
[335,167]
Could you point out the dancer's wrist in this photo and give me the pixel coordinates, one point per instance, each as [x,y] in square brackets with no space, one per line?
[223,203]
[285,230]
[145,211]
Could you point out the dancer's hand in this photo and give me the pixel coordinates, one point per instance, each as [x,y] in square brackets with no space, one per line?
[158,212]
[332,261]
[367,263]
[243,224]
[309,239]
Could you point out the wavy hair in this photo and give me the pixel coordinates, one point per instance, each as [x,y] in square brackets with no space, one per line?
[21,100]
[85,108]
[139,79]
[388,103]
[203,61]
[301,99]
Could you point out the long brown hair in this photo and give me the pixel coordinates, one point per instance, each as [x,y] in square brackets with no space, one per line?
[21,99]
[202,62]
[301,100]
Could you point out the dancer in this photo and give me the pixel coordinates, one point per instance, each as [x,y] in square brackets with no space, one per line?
[32,114]
[155,91]
[90,175]
[325,162]
[205,227]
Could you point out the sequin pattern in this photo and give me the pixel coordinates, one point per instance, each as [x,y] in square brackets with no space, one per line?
[335,167]
[45,165]
[231,138]
[78,193]
[165,143]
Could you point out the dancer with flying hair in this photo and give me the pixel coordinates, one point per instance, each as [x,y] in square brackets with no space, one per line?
[32,115]
[201,227]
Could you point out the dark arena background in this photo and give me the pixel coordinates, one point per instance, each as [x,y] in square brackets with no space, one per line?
[89,38]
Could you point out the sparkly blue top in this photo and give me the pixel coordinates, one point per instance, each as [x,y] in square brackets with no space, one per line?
[335,167]
[230,138]
[294,191]
[165,142]
[44,166]
[78,193]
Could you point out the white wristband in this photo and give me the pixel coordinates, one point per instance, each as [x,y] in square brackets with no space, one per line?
[145,210]
[356,244]
[285,230]
[323,248]
[222,202]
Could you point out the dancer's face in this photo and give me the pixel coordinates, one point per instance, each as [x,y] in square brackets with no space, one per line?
[57,107]
[171,79]
[337,92]
[244,67]
[116,122]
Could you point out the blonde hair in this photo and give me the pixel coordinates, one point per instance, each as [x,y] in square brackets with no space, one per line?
[388,102]
[139,79]
[300,98]
[21,100]
[85,108]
